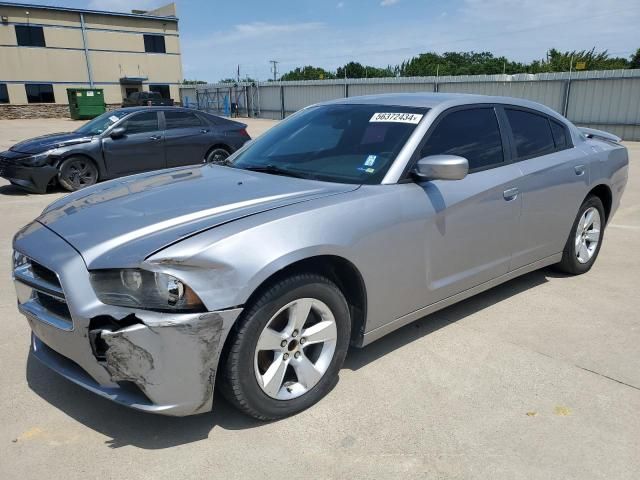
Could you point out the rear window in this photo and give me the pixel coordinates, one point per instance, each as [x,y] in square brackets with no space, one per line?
[531,133]
[178,119]
[560,136]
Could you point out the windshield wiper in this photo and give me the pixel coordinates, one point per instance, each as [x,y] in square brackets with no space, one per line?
[275,170]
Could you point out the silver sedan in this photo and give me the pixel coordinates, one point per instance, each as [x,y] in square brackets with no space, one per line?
[343,223]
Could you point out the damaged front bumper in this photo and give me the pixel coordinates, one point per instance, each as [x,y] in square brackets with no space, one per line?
[155,362]
[34,179]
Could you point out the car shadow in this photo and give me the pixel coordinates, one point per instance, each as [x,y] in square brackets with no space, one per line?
[15,191]
[148,431]
[361,357]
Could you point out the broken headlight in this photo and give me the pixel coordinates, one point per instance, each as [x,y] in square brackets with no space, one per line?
[146,290]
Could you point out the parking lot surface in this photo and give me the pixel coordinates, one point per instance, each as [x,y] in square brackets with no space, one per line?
[538,378]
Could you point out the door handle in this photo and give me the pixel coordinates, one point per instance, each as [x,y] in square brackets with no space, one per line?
[579,169]
[204,130]
[510,194]
[155,137]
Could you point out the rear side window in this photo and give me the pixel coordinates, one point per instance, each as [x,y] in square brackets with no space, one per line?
[531,133]
[473,134]
[177,119]
[560,136]
[142,123]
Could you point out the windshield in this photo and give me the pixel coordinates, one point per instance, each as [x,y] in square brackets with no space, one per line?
[337,143]
[101,123]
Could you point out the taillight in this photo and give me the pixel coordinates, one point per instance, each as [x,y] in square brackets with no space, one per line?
[244,132]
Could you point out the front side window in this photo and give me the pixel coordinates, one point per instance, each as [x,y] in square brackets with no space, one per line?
[142,123]
[40,93]
[531,133]
[473,134]
[177,119]
[28,36]
[344,143]
[154,44]
[163,90]
[4,94]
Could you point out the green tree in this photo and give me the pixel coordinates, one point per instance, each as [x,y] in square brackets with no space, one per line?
[558,61]
[458,63]
[307,73]
[635,60]
[357,70]
[193,82]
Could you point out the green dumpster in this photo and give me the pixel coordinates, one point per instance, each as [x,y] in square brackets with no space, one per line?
[85,103]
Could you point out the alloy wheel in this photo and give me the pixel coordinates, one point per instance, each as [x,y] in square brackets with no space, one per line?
[295,348]
[587,234]
[80,174]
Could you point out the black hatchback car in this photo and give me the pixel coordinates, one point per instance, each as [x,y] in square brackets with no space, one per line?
[121,142]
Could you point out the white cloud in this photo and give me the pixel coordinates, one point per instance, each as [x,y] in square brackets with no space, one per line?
[388,3]
[340,5]
[480,25]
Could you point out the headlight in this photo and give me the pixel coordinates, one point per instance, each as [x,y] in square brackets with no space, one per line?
[146,290]
[36,160]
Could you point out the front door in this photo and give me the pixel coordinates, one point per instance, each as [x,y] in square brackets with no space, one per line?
[472,222]
[140,149]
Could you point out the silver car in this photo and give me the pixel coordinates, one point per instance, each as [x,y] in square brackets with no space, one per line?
[341,224]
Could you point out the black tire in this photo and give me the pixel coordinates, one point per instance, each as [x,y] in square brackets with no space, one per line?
[239,384]
[77,172]
[570,263]
[217,155]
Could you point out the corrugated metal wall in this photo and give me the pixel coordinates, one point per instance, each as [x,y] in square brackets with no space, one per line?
[607,100]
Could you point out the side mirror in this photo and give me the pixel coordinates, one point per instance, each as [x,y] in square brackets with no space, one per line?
[442,167]
[117,132]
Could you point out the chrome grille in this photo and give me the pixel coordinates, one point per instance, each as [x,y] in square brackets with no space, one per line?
[40,292]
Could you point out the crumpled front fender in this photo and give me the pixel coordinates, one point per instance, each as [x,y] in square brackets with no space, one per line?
[172,359]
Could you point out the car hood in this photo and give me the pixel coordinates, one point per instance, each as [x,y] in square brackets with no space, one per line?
[48,142]
[119,223]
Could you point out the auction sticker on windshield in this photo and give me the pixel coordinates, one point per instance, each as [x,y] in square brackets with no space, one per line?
[396,117]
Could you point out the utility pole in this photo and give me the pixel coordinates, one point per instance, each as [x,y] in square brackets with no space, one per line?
[274,68]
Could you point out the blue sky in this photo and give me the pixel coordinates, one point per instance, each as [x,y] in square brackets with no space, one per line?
[218,35]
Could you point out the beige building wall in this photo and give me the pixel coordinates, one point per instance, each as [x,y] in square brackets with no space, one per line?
[115,50]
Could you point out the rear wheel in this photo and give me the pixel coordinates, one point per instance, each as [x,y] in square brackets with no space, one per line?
[217,155]
[585,239]
[77,172]
[288,348]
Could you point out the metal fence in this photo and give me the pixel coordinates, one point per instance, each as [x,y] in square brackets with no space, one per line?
[608,100]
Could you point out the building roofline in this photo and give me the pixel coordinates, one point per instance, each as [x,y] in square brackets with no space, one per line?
[82,10]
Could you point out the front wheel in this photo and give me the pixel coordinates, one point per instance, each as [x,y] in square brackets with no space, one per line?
[585,239]
[76,173]
[288,348]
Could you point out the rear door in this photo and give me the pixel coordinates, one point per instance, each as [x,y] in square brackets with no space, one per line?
[186,138]
[469,238]
[139,150]
[554,183]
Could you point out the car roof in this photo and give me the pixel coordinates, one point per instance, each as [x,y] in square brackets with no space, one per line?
[432,99]
[139,108]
